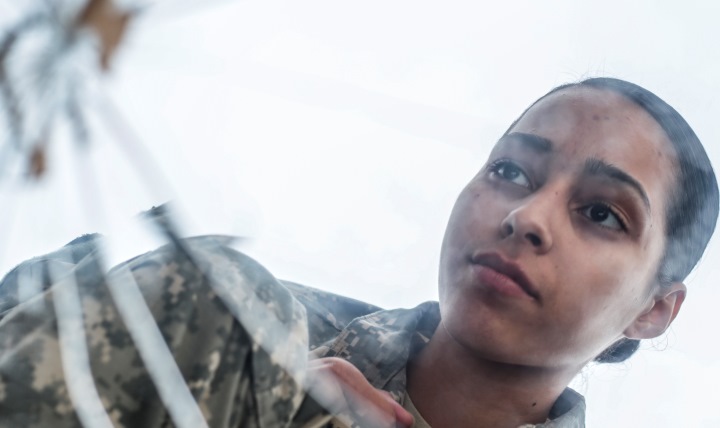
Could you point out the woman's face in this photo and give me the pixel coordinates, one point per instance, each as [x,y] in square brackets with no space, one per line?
[551,251]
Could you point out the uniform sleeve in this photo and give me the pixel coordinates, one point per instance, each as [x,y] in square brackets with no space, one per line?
[235,335]
[327,313]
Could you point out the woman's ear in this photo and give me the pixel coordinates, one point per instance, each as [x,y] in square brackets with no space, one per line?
[662,310]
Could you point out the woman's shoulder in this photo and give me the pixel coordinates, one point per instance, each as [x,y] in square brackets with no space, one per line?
[327,313]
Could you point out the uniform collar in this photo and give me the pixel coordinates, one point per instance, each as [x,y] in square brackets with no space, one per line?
[381,343]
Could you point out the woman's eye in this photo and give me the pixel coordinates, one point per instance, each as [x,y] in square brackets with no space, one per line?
[603,215]
[508,171]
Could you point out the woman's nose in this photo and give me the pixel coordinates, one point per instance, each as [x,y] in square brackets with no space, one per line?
[529,224]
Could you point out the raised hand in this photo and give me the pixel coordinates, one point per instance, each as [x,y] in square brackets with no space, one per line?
[342,388]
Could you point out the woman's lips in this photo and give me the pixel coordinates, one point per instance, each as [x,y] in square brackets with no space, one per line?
[503,276]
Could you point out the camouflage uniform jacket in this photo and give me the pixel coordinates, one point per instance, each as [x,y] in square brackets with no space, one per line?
[380,343]
[229,349]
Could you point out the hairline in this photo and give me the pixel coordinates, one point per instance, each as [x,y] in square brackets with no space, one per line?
[672,192]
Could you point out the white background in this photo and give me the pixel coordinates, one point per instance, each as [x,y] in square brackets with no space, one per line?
[336,135]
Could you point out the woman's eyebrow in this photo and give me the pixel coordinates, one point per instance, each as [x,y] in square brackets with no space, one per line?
[532,142]
[595,167]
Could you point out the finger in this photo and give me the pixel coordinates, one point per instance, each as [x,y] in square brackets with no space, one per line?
[324,387]
[371,406]
[403,418]
[347,390]
[319,362]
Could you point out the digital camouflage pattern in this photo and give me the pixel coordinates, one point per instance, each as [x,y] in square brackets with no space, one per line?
[240,374]
[214,354]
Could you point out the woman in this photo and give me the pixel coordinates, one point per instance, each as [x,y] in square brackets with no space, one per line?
[570,245]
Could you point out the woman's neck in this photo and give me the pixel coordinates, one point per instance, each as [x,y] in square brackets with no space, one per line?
[452,387]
